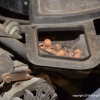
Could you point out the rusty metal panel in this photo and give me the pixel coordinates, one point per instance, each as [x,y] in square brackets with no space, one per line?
[91,38]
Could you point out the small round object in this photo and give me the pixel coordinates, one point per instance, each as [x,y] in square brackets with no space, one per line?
[78,51]
[57,47]
[47,43]
[25,3]
[77,56]
[7,79]
[61,53]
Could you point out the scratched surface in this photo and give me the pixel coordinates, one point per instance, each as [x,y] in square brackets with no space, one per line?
[67,6]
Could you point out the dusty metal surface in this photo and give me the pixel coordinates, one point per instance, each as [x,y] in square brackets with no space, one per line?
[67,86]
[20,66]
[73,74]
[19,75]
[63,11]
[18,89]
[66,7]
[47,16]
[6,64]
[12,28]
[18,6]
[9,33]
[92,42]
[39,95]
[47,79]
[4,34]
[15,45]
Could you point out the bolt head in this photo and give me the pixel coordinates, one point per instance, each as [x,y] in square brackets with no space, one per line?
[25,3]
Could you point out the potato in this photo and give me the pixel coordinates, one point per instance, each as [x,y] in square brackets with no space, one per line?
[57,47]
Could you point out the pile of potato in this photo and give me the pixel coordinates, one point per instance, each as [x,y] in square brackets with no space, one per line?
[58,50]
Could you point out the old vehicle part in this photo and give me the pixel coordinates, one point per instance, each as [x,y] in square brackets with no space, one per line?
[73,74]
[18,89]
[6,64]
[4,34]
[22,22]
[91,40]
[19,65]
[62,82]
[63,11]
[47,78]
[14,45]
[53,16]
[68,87]
[16,76]
[19,6]
[39,95]
[12,28]
[6,52]
[58,80]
